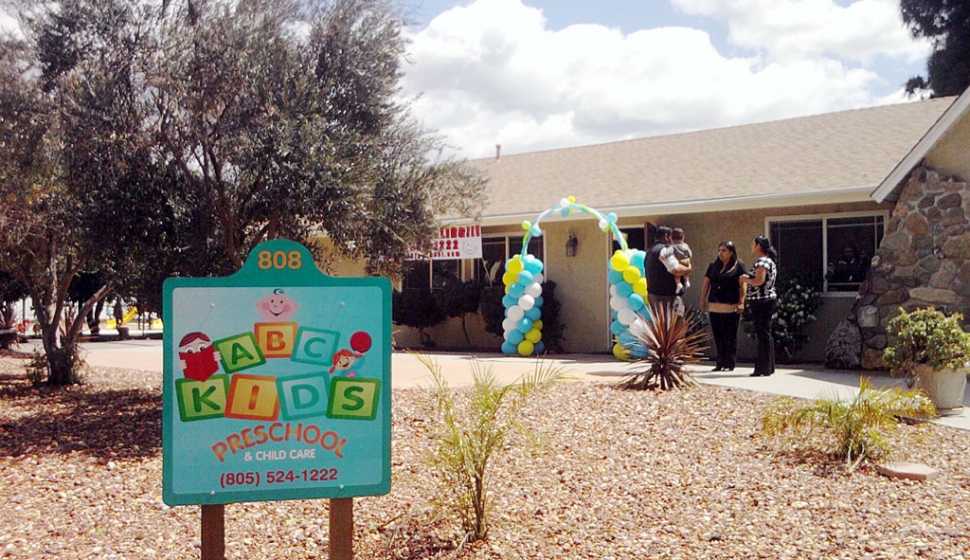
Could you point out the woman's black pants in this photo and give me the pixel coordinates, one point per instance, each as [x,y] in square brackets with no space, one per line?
[724,327]
[761,312]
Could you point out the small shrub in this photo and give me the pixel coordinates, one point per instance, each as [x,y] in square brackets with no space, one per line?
[849,430]
[469,434]
[673,342]
[799,297]
[417,308]
[926,336]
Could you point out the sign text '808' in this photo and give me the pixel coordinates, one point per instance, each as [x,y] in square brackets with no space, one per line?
[279,259]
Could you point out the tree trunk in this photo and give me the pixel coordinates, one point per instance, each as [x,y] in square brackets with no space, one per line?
[62,363]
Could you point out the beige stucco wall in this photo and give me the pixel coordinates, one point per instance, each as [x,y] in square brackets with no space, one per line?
[950,155]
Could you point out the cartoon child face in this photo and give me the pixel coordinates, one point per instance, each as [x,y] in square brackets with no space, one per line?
[276,306]
[197,356]
[343,360]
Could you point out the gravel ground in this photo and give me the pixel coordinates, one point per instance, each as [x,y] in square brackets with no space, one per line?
[617,474]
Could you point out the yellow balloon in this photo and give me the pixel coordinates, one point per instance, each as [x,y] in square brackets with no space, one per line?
[631,274]
[571,198]
[533,335]
[509,277]
[640,287]
[525,347]
[526,224]
[515,265]
[620,351]
[619,262]
[537,324]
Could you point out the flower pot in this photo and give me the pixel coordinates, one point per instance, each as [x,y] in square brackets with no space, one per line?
[945,387]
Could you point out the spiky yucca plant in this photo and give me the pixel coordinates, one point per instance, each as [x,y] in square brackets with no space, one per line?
[673,342]
[469,433]
[852,430]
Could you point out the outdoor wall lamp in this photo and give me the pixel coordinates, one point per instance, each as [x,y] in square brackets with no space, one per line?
[571,244]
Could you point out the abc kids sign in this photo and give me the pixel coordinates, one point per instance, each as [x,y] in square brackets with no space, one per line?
[277,383]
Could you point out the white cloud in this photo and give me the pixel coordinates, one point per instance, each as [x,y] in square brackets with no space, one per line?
[493,73]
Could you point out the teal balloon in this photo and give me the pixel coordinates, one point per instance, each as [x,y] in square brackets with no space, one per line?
[509,301]
[515,337]
[539,301]
[534,313]
[524,277]
[533,265]
[626,337]
[637,259]
[516,290]
[508,348]
[539,348]
[617,327]
[624,289]
[635,301]
[523,325]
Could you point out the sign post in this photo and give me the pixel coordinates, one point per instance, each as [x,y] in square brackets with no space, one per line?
[277,386]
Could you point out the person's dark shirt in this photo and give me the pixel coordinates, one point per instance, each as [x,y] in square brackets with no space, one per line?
[724,284]
[659,281]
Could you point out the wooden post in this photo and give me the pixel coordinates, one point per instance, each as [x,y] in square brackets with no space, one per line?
[214,532]
[341,529]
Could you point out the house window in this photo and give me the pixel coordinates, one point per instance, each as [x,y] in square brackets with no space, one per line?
[422,275]
[837,248]
[498,249]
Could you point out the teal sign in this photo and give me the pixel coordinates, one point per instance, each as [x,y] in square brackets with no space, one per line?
[277,383]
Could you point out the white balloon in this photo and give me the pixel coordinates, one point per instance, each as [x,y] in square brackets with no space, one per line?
[538,277]
[527,302]
[516,313]
[508,324]
[534,289]
[617,303]
[612,290]
[638,323]
[626,316]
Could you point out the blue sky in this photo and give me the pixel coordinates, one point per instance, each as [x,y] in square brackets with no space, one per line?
[544,74]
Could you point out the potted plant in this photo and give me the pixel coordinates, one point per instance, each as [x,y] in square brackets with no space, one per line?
[931,350]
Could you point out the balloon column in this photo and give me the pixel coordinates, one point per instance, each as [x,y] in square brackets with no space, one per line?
[523,288]
[523,304]
[628,296]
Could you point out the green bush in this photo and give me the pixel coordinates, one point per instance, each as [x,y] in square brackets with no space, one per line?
[926,336]
[850,430]
[418,309]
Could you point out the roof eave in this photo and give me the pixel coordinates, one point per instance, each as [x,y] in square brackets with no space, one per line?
[888,190]
[735,203]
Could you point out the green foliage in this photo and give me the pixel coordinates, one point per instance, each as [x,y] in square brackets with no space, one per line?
[799,297]
[850,430]
[458,299]
[470,433]
[673,342]
[946,23]
[926,336]
[492,310]
[416,308]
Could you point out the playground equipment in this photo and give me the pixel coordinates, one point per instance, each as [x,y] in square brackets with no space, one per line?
[125,318]
[523,289]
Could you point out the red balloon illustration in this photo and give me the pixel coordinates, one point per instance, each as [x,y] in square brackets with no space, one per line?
[360,341]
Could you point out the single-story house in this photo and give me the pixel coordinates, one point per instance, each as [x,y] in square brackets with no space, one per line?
[815,185]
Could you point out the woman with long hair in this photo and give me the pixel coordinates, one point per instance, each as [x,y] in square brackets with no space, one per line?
[722,296]
[762,301]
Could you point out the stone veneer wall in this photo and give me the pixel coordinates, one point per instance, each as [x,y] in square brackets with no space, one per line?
[924,259]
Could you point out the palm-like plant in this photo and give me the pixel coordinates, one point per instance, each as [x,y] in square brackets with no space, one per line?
[851,430]
[673,342]
[472,432]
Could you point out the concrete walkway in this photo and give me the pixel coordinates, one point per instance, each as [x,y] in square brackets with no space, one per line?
[805,381]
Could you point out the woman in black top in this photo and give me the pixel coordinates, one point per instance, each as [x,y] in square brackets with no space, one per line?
[722,296]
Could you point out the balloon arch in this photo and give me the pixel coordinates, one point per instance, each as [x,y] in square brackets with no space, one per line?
[522,327]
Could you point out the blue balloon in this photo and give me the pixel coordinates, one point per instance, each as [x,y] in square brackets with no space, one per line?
[514,337]
[524,277]
[533,265]
[617,327]
[523,325]
[516,290]
[637,259]
[539,348]
[614,277]
[624,289]
[635,301]
[539,301]
[626,337]
[508,301]
[638,351]
[509,348]
[533,313]
[536,230]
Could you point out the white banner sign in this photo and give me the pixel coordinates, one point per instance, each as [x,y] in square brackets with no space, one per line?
[453,242]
